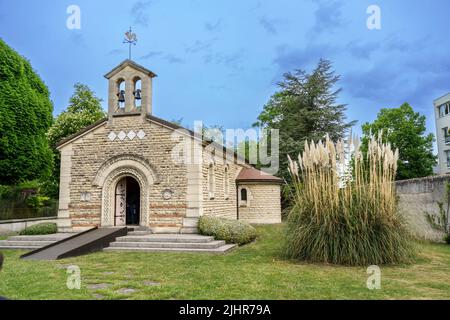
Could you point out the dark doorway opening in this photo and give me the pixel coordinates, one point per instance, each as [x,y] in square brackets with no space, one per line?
[133,202]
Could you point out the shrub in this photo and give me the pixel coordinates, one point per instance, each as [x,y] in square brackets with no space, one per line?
[447,239]
[37,202]
[40,229]
[232,231]
[6,192]
[345,209]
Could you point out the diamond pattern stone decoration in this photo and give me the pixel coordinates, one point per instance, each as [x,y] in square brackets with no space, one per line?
[112,136]
[131,135]
[122,135]
[141,134]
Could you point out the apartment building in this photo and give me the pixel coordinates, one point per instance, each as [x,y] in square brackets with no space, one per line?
[442,115]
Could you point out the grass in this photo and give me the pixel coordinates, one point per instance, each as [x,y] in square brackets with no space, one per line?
[254,271]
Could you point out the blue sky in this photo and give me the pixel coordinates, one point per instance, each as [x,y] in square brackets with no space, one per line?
[219,61]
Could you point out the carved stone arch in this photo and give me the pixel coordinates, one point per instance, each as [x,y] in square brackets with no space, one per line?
[112,171]
[108,194]
[125,160]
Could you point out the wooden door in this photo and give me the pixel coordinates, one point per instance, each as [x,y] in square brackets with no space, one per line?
[121,203]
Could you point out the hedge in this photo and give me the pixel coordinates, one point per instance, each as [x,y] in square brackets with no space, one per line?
[40,229]
[232,231]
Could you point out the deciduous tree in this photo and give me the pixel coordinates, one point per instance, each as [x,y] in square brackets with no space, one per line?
[405,129]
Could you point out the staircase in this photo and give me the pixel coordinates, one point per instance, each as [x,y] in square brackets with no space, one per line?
[138,231]
[32,242]
[138,239]
[169,243]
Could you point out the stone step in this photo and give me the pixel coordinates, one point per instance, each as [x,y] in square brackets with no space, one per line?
[139,233]
[137,228]
[13,243]
[50,237]
[32,242]
[186,245]
[7,247]
[219,250]
[186,238]
[189,230]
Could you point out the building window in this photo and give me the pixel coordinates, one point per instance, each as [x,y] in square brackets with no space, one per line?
[120,96]
[446,135]
[211,182]
[444,109]
[243,199]
[243,194]
[447,154]
[226,184]
[137,94]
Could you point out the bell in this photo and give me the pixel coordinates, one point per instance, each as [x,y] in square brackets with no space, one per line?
[121,95]
[137,94]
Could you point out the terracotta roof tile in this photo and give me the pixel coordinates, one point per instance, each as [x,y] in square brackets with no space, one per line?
[254,175]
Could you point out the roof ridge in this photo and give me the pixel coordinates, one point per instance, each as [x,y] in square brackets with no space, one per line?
[128,62]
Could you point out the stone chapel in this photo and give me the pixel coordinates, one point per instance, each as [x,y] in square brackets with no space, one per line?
[128,169]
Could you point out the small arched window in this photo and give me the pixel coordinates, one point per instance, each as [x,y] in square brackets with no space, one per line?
[137,93]
[244,195]
[226,183]
[120,95]
[211,181]
[244,198]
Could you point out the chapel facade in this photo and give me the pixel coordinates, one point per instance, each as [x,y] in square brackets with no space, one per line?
[135,169]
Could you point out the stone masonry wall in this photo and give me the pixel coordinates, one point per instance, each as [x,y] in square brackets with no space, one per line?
[221,205]
[84,157]
[92,150]
[263,204]
[419,197]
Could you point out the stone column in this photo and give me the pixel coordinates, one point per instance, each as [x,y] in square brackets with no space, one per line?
[64,221]
[194,195]
[146,87]
[112,99]
[129,97]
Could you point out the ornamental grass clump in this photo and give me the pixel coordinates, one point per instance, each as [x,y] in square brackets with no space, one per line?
[345,209]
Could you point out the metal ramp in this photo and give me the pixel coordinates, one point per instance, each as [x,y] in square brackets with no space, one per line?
[86,242]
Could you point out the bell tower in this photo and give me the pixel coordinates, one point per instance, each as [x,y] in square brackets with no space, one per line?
[130,90]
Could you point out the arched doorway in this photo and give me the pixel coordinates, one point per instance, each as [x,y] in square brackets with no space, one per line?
[128,202]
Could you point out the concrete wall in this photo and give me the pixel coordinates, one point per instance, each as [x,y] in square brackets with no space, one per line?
[18,225]
[419,197]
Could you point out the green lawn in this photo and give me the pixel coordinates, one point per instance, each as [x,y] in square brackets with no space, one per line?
[255,271]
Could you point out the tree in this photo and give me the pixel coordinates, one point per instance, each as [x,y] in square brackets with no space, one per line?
[84,109]
[305,108]
[405,130]
[25,116]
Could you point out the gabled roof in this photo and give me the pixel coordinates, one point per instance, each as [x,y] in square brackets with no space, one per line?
[256,176]
[81,132]
[132,64]
[247,174]
[151,118]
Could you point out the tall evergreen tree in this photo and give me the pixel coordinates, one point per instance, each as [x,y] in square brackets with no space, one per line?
[25,116]
[305,108]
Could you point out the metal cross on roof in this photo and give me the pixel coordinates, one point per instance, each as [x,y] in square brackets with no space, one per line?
[131,39]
